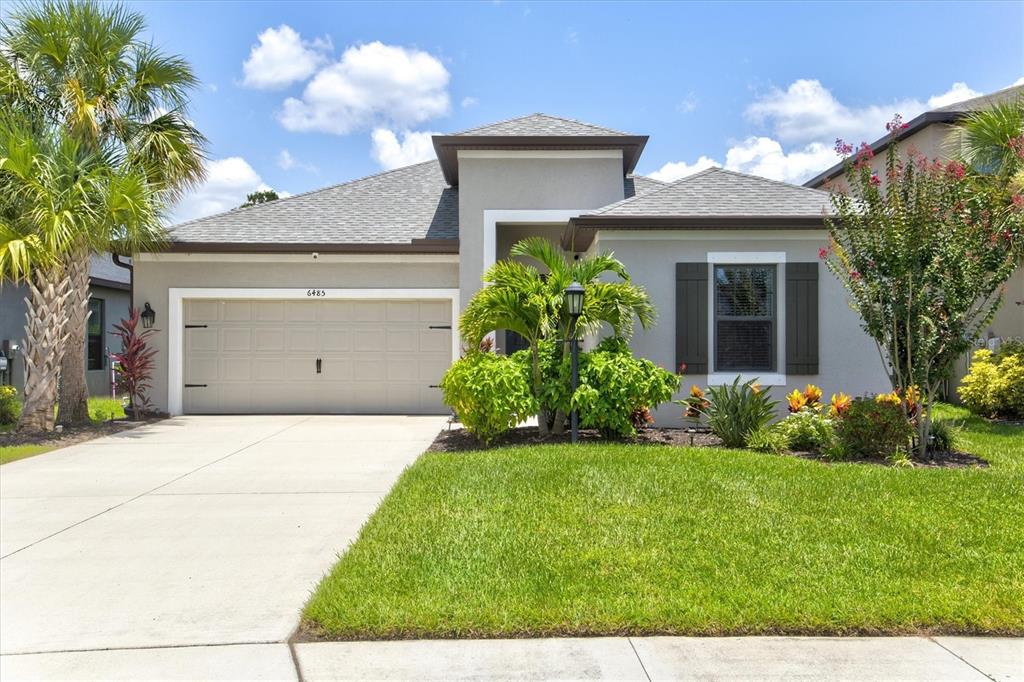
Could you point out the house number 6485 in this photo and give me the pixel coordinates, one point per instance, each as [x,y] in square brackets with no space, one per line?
[315,293]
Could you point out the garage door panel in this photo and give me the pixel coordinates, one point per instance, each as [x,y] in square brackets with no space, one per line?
[268,311]
[260,356]
[268,340]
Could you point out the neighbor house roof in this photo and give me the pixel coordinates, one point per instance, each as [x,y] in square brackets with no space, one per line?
[712,198]
[536,131]
[951,113]
[406,209]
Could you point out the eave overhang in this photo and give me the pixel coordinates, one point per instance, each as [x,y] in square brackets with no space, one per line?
[447,147]
[415,246]
[580,232]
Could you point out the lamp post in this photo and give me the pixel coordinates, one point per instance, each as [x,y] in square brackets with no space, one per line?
[574,301]
[148,316]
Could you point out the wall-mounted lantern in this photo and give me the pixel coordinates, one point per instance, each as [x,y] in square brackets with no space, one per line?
[148,316]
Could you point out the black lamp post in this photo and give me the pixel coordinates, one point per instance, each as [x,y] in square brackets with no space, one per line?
[148,316]
[574,302]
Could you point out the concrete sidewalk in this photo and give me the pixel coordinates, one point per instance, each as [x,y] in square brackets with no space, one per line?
[611,658]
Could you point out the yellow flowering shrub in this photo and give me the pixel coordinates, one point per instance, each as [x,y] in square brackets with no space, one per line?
[994,388]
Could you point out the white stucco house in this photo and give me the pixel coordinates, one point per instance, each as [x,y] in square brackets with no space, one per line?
[347,298]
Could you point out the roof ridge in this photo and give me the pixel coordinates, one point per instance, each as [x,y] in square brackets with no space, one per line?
[303,194]
[545,115]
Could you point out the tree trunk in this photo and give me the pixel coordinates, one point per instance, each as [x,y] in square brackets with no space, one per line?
[45,322]
[73,405]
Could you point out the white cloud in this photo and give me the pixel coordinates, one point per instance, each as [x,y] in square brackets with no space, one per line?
[688,104]
[390,153]
[957,93]
[807,111]
[469,102]
[227,182]
[1019,81]
[372,84]
[282,57]
[765,157]
[287,161]
[673,170]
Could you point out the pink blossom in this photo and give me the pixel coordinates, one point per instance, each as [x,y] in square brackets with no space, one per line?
[843,148]
[1018,201]
[823,253]
[875,181]
[854,275]
[1017,145]
[895,124]
[956,169]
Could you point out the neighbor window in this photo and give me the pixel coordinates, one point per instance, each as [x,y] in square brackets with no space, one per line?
[94,338]
[745,319]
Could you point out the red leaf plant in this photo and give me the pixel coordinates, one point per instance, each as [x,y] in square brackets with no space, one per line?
[134,363]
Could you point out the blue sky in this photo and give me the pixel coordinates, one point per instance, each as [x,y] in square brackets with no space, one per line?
[302,95]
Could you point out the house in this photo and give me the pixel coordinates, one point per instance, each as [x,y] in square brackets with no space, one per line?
[935,135]
[109,292]
[347,298]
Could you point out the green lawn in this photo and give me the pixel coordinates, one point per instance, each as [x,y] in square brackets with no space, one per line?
[100,410]
[606,539]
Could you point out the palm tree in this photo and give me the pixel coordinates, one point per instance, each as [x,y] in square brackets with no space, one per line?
[52,192]
[520,298]
[985,138]
[86,66]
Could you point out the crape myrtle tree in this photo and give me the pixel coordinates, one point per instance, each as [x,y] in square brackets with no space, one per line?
[924,255]
[520,298]
[87,68]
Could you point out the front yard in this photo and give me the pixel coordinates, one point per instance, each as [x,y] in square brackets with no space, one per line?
[101,410]
[616,539]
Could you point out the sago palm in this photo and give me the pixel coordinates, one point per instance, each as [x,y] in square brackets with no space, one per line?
[986,138]
[52,192]
[86,66]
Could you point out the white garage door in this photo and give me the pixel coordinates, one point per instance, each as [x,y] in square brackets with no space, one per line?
[333,356]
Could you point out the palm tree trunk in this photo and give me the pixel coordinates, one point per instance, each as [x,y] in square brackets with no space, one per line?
[45,322]
[73,405]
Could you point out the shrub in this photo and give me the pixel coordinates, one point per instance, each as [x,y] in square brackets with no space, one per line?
[489,393]
[134,362]
[943,437]
[617,390]
[768,439]
[10,408]
[808,430]
[733,410]
[873,428]
[994,386]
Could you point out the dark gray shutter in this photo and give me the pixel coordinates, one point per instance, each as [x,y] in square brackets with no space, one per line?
[801,318]
[692,317]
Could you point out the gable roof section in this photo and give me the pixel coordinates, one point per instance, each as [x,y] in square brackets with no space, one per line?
[408,209]
[951,113]
[712,198]
[541,125]
[536,131]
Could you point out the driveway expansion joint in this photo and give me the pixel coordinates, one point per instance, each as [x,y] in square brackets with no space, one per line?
[950,651]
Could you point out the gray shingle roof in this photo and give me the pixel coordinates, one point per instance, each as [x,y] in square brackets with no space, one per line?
[541,125]
[719,192]
[985,101]
[640,184]
[394,207]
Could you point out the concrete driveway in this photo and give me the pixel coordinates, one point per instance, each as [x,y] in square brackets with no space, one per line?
[192,531]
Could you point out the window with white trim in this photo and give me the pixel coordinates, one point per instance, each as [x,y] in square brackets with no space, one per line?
[745,318]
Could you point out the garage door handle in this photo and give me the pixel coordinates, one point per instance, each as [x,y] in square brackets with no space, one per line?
[195,326]
[319,364]
[440,326]
[195,385]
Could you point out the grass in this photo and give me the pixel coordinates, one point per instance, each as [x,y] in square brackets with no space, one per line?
[100,410]
[617,539]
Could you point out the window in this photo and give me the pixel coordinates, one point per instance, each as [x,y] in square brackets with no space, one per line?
[94,335]
[745,318]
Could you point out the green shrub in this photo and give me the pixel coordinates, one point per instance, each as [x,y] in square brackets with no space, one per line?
[870,428]
[808,430]
[617,390]
[768,439]
[733,410]
[489,393]
[994,386]
[10,406]
[943,436]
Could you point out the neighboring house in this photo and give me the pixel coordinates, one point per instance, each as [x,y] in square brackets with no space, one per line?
[934,134]
[346,299]
[109,286]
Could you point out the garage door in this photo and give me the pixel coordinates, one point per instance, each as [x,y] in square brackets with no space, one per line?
[333,356]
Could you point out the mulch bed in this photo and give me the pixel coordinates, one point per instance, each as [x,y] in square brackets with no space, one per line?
[460,440]
[70,435]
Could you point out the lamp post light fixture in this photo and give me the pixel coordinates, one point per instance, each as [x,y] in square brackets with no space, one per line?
[148,316]
[574,302]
